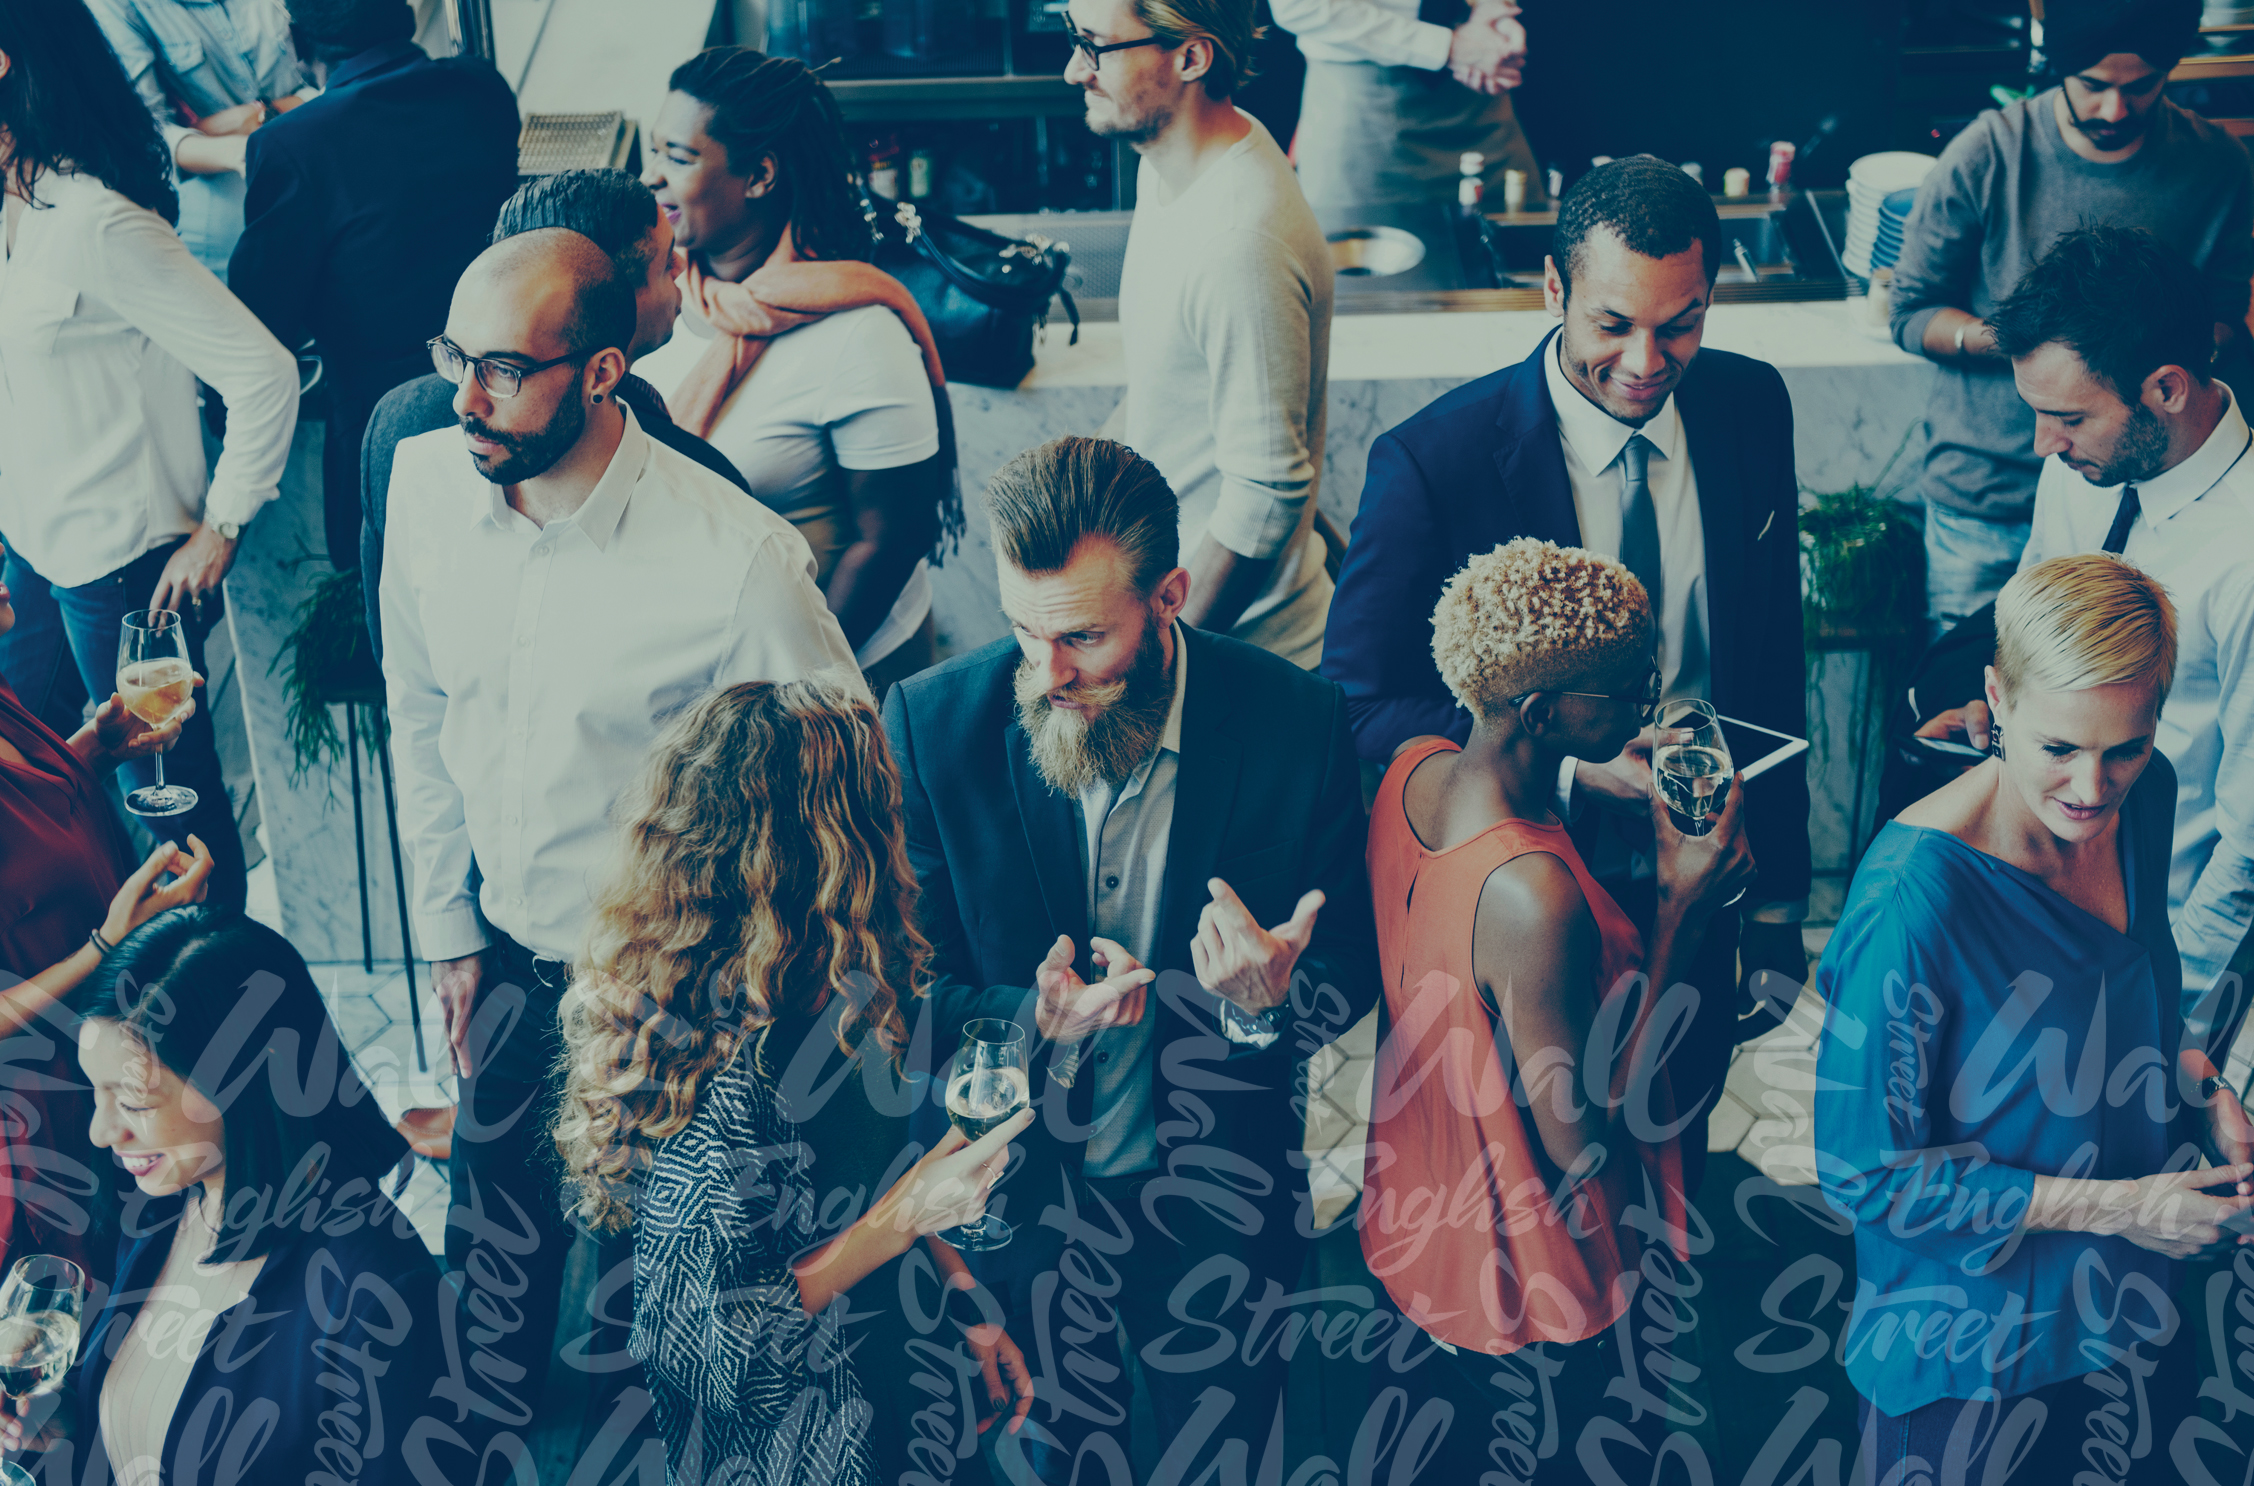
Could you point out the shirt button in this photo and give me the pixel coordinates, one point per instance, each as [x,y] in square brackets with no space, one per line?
[1112,881]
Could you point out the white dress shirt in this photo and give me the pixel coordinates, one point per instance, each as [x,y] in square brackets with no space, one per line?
[1383,31]
[106,321]
[529,668]
[2195,533]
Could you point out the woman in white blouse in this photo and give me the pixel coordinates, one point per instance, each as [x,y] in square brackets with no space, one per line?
[837,423]
[107,502]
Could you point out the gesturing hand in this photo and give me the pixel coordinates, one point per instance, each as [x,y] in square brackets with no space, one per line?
[1067,1008]
[143,897]
[1234,957]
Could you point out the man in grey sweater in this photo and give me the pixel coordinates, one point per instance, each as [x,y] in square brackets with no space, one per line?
[2103,147]
[1224,308]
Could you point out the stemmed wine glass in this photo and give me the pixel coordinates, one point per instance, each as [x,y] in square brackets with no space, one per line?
[986,1086]
[155,680]
[1693,769]
[41,1305]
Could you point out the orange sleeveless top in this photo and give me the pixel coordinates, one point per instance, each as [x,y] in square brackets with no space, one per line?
[1459,1218]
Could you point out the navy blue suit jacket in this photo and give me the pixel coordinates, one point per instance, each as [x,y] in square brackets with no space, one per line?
[364,205]
[1482,466]
[1267,797]
[338,1331]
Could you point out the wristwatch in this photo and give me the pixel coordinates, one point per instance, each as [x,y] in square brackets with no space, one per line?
[2210,1086]
[1253,1029]
[1961,329]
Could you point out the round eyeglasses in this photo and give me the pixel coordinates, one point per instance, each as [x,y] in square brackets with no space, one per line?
[498,378]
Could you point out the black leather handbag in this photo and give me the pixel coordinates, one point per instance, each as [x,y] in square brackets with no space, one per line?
[984,293]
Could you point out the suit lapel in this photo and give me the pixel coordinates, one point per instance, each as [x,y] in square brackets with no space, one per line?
[1049,821]
[1530,461]
[1721,479]
[1205,785]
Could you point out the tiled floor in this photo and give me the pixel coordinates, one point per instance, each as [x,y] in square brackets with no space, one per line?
[370,1011]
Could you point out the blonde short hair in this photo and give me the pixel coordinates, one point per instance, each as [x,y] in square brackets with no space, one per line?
[2091,620]
[1225,23]
[1534,616]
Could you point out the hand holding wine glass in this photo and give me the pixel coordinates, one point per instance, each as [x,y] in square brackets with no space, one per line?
[987,1088]
[1699,873]
[41,1305]
[156,683]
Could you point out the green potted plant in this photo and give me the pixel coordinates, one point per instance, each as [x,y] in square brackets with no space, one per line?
[328,662]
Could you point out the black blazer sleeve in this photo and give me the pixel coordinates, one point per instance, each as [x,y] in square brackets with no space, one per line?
[1775,660]
[1378,645]
[277,263]
[1341,960]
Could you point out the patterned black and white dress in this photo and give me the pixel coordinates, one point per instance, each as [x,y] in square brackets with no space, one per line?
[748,1387]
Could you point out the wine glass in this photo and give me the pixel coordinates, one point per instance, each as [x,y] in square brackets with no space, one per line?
[1693,770]
[155,680]
[41,1305]
[986,1086]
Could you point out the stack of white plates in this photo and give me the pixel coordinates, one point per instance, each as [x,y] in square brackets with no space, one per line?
[1872,182]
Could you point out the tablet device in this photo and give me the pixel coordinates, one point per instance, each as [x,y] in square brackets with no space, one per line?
[1756,750]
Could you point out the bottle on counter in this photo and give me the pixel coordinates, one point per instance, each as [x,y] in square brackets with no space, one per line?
[919,175]
[1555,180]
[1695,171]
[1514,190]
[1737,181]
[1471,185]
[1781,154]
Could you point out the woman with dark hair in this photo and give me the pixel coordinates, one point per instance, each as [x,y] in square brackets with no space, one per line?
[106,323]
[68,891]
[258,1223]
[741,993]
[811,370]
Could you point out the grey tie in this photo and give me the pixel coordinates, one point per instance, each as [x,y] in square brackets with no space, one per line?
[1639,521]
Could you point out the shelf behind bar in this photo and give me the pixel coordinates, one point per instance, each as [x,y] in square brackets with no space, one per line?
[892,99]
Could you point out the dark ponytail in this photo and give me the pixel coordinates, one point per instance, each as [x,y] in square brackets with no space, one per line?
[764,105]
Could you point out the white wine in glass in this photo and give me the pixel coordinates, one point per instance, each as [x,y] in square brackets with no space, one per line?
[986,1087]
[1694,773]
[154,679]
[41,1304]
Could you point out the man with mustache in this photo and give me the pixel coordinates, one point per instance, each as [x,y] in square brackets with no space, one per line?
[2104,147]
[1143,843]
[547,603]
[1621,436]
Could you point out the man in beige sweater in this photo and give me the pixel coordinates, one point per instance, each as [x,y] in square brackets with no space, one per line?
[1224,306]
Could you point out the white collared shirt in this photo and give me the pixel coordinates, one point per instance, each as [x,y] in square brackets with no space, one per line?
[1386,32]
[529,668]
[106,321]
[1592,439]
[2195,533]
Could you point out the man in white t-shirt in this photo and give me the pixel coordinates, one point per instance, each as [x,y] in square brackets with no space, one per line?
[1224,307]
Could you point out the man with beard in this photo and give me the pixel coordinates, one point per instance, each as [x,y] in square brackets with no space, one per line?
[1621,436]
[1224,307]
[2108,339]
[1143,843]
[547,603]
[2103,147]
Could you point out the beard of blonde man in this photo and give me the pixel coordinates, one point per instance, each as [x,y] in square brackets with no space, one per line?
[1123,723]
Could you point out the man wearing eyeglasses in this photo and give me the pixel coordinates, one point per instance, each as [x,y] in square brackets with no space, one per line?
[2105,147]
[551,594]
[1224,309]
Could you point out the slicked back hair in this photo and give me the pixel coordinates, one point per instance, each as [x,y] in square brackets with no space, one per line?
[610,206]
[1657,210]
[1049,499]
[2121,299]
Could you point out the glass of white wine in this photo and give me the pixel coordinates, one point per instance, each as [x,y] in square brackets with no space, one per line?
[986,1086]
[41,1305]
[1693,766]
[154,678]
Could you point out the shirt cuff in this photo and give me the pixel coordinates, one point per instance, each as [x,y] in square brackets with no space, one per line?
[451,933]
[1430,49]
[173,134]
[1254,520]
[1783,911]
[226,503]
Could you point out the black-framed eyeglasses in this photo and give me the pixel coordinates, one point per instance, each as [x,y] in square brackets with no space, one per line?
[1646,704]
[1095,53]
[498,378]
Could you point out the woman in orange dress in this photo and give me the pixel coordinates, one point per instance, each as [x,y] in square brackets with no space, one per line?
[1523,1178]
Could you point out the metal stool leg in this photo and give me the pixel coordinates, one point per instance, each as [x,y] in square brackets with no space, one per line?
[382,725]
[359,839]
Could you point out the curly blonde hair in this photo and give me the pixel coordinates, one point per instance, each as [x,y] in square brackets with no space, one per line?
[762,868]
[1534,616]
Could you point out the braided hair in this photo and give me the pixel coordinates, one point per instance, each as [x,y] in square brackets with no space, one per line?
[764,105]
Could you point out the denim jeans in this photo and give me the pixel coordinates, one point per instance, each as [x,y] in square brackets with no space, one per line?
[1968,559]
[64,648]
